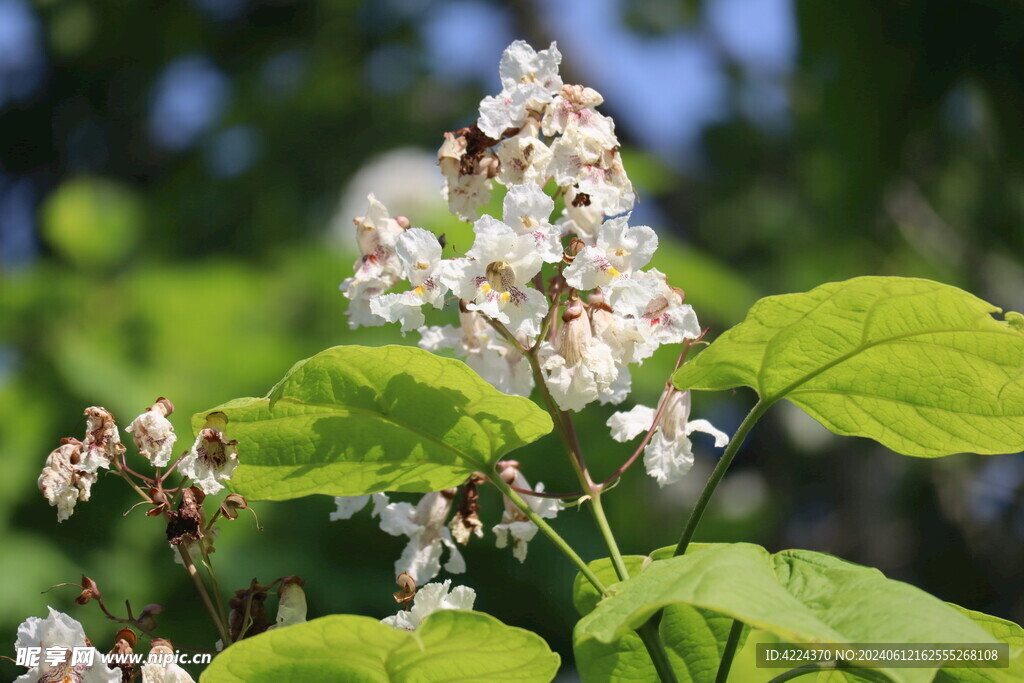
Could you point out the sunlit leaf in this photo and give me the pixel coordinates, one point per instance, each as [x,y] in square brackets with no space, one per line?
[797,595]
[353,420]
[449,645]
[919,366]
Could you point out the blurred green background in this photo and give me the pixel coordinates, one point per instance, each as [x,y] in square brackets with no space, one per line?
[177,182]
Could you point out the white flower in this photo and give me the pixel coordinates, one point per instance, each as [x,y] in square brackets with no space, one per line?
[658,309]
[607,185]
[669,454]
[493,277]
[524,158]
[424,525]
[581,216]
[67,477]
[466,194]
[291,604]
[574,108]
[580,159]
[621,334]
[514,521]
[490,356]
[163,669]
[361,292]
[529,80]
[429,599]
[348,506]
[59,631]
[154,434]
[378,268]
[420,253]
[159,673]
[581,367]
[526,210]
[619,250]
[376,233]
[102,443]
[211,460]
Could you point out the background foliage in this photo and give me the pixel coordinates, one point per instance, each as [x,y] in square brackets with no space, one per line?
[176,187]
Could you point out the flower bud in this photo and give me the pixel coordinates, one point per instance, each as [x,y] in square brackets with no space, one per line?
[407,588]
[575,335]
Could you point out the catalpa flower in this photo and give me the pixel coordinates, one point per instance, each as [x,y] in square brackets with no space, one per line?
[581,216]
[378,268]
[67,477]
[618,250]
[581,367]
[493,277]
[211,461]
[163,669]
[424,525]
[529,80]
[524,158]
[154,435]
[490,356]
[102,443]
[526,210]
[429,599]
[574,109]
[291,603]
[420,253]
[467,176]
[514,521]
[669,454]
[580,159]
[59,638]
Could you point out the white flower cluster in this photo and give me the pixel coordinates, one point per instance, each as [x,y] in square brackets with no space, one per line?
[72,468]
[430,526]
[536,132]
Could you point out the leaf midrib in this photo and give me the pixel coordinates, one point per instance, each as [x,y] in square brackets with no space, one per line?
[355,411]
[860,348]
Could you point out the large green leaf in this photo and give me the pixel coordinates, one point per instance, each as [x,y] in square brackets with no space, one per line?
[799,596]
[920,366]
[1002,631]
[449,645]
[353,420]
[693,637]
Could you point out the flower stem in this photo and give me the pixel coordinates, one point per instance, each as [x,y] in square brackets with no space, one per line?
[563,421]
[716,476]
[213,581]
[656,649]
[201,588]
[542,524]
[730,651]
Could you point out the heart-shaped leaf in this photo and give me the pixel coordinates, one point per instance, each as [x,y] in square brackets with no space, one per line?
[798,595]
[353,420]
[919,366]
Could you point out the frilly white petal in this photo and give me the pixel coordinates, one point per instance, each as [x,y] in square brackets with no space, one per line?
[721,438]
[348,506]
[668,461]
[629,424]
